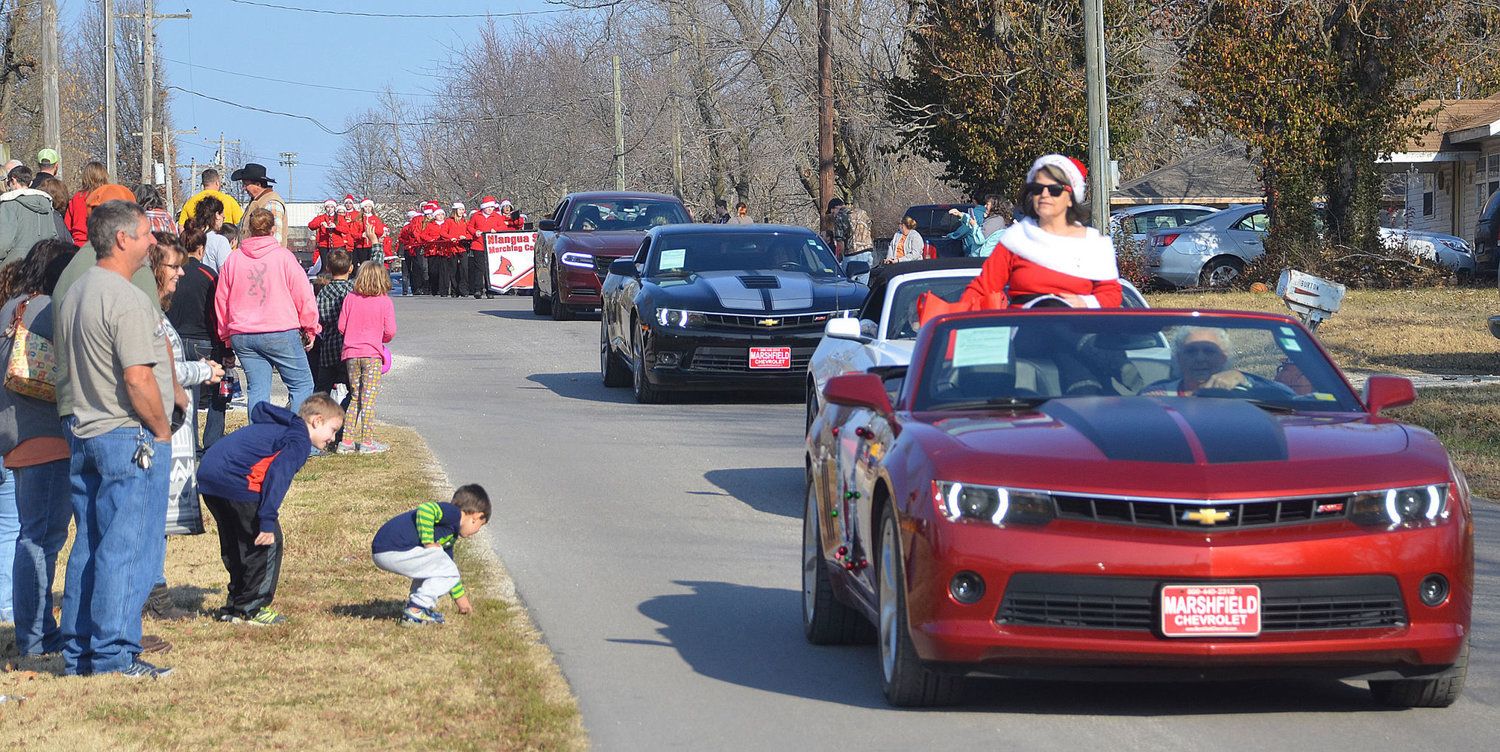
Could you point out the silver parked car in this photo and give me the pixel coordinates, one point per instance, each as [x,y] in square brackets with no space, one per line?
[1140,221]
[1449,250]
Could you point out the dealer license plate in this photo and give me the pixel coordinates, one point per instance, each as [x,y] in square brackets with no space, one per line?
[770,357]
[1210,610]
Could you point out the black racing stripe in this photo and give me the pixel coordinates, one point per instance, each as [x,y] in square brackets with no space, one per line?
[1231,430]
[1124,428]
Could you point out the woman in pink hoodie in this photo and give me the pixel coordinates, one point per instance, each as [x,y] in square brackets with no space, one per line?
[267,313]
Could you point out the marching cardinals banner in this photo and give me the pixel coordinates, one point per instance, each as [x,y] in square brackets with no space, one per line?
[511,260]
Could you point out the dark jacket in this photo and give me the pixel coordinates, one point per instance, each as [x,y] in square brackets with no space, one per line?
[192,311]
[257,462]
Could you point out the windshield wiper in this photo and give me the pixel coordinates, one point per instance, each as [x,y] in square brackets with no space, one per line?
[1273,407]
[675,273]
[993,403]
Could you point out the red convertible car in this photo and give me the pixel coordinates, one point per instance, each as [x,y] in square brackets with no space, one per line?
[1134,495]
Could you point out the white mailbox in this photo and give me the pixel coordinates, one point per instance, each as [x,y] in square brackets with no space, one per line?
[1312,298]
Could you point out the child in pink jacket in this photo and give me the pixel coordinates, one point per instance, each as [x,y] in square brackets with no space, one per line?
[367,321]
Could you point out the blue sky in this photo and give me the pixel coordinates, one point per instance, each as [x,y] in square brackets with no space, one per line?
[345,51]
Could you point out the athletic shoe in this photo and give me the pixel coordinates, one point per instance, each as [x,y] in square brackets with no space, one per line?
[373,447]
[414,616]
[140,669]
[265,617]
[346,447]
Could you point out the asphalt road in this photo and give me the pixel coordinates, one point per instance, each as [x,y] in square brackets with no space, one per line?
[657,548]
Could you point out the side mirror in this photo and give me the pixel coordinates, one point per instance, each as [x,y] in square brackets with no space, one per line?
[546,225]
[1495,326]
[1388,391]
[844,328]
[855,268]
[859,390]
[625,267]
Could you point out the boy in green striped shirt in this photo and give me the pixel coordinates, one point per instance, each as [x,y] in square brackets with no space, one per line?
[419,544]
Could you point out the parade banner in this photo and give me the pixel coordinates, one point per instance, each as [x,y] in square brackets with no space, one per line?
[511,260]
[184,516]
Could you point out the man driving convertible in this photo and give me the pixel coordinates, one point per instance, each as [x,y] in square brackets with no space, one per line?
[1202,356]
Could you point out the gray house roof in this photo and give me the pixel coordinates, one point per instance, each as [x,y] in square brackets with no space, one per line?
[1220,175]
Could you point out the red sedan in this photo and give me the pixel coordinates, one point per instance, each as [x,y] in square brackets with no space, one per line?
[1134,495]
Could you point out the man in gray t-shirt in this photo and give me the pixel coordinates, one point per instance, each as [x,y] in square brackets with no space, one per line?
[123,388]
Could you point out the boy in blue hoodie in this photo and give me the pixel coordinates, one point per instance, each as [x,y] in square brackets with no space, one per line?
[243,478]
[419,544]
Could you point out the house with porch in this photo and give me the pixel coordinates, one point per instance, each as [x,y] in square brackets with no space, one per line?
[1450,171]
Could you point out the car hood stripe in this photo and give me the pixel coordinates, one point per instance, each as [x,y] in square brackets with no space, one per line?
[1145,430]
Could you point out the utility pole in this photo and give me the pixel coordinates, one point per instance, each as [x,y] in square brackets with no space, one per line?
[111,149]
[148,78]
[51,99]
[289,160]
[825,110]
[676,105]
[1098,96]
[619,132]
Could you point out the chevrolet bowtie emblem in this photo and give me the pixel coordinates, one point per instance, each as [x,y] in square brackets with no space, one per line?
[1207,516]
[769,322]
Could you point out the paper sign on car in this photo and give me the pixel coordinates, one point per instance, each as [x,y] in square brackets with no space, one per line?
[770,357]
[1210,610]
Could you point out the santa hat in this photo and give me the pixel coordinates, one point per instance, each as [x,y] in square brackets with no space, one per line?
[489,202]
[506,203]
[367,202]
[459,205]
[348,197]
[413,214]
[1071,168]
[436,210]
[428,207]
[330,202]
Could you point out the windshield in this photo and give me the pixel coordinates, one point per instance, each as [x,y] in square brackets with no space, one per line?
[1026,358]
[755,250]
[625,214]
[903,308]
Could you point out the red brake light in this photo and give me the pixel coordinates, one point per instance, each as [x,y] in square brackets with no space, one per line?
[1166,239]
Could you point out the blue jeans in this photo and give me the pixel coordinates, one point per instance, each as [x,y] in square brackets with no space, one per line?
[259,353]
[866,256]
[10,530]
[209,401]
[43,495]
[122,526]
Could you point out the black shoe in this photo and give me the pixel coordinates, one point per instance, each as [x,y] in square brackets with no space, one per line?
[159,606]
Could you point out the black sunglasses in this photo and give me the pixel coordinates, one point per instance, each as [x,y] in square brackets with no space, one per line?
[1052,189]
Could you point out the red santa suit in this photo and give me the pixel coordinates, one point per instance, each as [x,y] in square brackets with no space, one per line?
[326,233]
[481,223]
[1029,261]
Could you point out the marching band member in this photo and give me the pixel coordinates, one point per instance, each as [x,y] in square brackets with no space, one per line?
[352,226]
[488,220]
[413,265]
[372,233]
[513,220]
[443,238]
[326,233]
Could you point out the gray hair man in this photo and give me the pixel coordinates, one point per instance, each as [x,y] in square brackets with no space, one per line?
[111,336]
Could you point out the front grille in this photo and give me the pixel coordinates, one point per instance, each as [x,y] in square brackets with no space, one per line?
[767,322]
[1131,604]
[1200,515]
[601,267]
[737,360]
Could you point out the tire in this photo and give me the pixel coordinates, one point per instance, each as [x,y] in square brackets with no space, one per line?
[610,370]
[906,682]
[1220,271]
[1435,692]
[646,393]
[825,621]
[560,310]
[812,407]
[541,305]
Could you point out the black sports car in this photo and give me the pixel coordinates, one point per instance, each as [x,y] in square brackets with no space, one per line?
[719,306]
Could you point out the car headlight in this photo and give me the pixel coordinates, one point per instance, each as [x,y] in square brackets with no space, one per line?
[993,504]
[574,258]
[1414,506]
[1460,246]
[678,318]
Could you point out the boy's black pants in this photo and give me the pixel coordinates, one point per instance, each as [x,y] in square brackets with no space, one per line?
[253,570]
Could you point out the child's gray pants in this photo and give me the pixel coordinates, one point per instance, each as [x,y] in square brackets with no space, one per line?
[431,570]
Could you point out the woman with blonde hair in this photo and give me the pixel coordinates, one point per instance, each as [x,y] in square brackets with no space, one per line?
[367,321]
[907,244]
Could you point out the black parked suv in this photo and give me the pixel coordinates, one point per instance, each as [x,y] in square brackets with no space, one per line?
[934,222]
[1486,236]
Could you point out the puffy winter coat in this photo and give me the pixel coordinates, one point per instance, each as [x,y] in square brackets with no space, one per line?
[25,218]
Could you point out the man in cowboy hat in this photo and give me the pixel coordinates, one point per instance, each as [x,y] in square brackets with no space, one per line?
[252,178]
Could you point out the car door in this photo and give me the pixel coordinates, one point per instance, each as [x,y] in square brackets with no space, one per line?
[1247,236]
[542,257]
[626,296]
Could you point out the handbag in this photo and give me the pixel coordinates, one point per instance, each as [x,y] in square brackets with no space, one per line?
[33,363]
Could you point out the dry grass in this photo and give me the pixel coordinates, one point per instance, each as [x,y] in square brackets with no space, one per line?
[1467,420]
[343,674]
[1431,329]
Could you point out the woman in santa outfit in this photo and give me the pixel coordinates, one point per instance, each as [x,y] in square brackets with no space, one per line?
[352,226]
[1048,252]
[326,234]
[487,220]
[372,233]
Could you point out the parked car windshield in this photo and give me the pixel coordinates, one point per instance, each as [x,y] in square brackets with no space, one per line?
[1015,357]
[753,250]
[903,317]
[625,214]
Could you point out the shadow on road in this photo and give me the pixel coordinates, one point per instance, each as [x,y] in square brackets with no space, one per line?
[752,637]
[773,490]
[527,315]
[381,608]
[581,385]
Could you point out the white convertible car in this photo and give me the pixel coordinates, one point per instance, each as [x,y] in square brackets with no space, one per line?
[887,324]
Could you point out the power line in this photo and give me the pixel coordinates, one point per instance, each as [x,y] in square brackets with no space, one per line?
[294,83]
[405,15]
[350,129]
